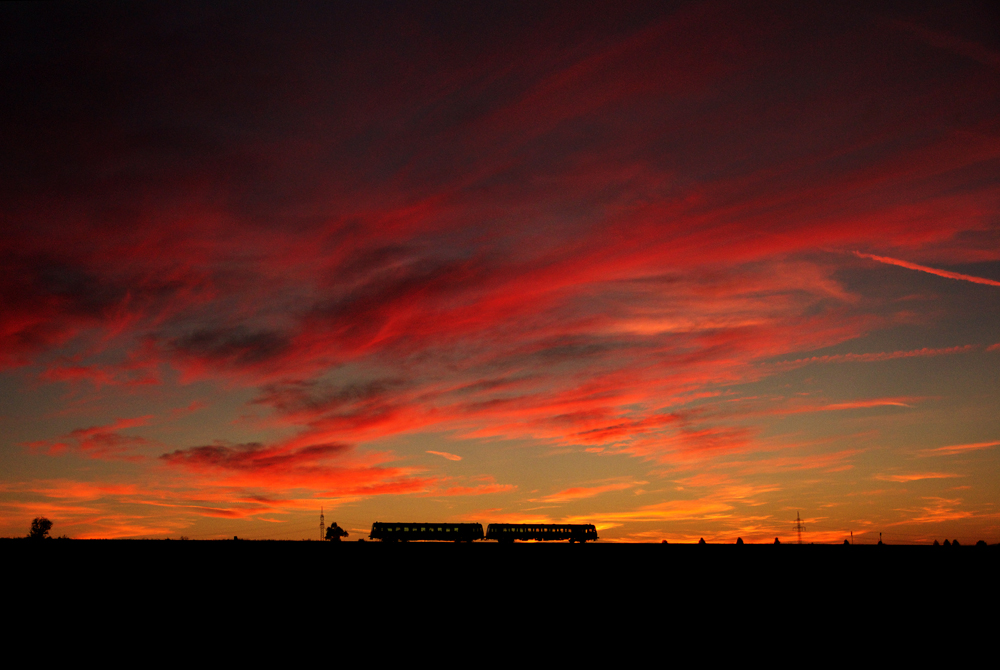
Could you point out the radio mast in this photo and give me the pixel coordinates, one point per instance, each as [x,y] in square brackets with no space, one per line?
[798,526]
[322,525]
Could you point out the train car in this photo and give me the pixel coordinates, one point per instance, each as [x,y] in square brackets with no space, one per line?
[574,532]
[437,532]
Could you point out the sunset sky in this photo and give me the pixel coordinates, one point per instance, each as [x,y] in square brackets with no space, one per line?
[679,270]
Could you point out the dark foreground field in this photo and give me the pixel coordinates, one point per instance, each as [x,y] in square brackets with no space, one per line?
[591,594]
[353,568]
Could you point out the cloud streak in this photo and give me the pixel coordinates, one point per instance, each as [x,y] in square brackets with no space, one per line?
[954,449]
[924,268]
[916,476]
[445,454]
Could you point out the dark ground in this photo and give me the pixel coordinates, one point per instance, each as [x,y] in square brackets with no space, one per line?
[291,595]
[365,568]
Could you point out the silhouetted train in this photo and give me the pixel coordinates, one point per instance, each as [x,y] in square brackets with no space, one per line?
[574,532]
[467,532]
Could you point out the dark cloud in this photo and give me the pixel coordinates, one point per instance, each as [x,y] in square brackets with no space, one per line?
[314,397]
[237,346]
[252,456]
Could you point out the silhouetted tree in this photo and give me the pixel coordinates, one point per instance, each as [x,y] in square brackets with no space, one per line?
[937,544]
[847,543]
[981,543]
[777,541]
[40,528]
[955,543]
[335,532]
[947,543]
[739,540]
[701,541]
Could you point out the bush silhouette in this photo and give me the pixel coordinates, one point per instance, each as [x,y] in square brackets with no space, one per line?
[335,532]
[40,528]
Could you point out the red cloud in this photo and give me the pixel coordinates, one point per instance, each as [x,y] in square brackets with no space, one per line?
[99,442]
[329,470]
[589,234]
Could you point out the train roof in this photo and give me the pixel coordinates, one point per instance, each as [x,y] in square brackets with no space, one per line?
[546,525]
[425,523]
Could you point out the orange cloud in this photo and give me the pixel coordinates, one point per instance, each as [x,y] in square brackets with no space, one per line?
[941,509]
[953,449]
[854,404]
[483,489]
[445,454]
[581,492]
[675,510]
[874,357]
[916,476]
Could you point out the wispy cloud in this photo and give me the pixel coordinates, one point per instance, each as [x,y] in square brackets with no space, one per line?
[953,449]
[841,406]
[99,442]
[924,268]
[581,492]
[875,357]
[915,476]
[675,510]
[445,454]
[941,509]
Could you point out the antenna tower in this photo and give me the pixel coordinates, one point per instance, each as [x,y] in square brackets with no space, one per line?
[798,526]
[322,525]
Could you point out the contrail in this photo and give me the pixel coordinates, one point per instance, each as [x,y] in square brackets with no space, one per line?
[924,268]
